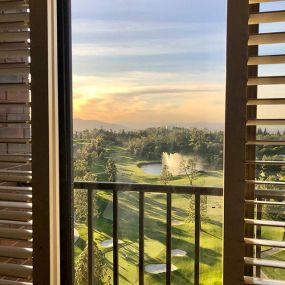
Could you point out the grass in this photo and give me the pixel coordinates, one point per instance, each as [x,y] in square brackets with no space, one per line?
[129,170]
[155,226]
[182,238]
[275,273]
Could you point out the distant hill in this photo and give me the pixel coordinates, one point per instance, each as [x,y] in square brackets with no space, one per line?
[80,125]
[205,125]
[198,125]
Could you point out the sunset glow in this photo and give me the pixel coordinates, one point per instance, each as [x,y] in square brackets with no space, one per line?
[138,64]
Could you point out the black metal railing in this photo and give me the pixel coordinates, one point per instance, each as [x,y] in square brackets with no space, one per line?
[115,188]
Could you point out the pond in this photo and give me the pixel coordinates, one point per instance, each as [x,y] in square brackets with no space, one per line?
[173,161]
[152,168]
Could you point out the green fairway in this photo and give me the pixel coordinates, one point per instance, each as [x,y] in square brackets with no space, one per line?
[173,156]
[276,273]
[129,170]
[155,238]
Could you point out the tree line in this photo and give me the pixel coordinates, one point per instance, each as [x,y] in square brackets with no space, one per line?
[150,143]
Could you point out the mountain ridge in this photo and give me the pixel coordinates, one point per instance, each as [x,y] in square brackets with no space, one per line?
[82,124]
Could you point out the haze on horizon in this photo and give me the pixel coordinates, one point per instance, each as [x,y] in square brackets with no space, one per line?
[149,62]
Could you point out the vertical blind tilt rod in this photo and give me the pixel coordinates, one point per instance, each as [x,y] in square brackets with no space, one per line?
[141,238]
[168,238]
[90,238]
[197,239]
[258,236]
[250,173]
[115,239]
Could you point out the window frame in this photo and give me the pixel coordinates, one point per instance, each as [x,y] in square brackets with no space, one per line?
[65,141]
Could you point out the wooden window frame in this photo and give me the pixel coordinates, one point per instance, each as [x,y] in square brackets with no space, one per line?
[235,141]
[52,141]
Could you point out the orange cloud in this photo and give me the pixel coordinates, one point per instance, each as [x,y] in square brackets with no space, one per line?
[127,99]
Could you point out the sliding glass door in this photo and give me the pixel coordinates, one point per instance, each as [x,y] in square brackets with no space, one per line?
[148,107]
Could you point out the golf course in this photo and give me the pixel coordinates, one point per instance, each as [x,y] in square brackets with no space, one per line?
[131,168]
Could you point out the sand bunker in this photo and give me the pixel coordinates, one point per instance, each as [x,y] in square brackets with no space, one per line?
[178,252]
[177,223]
[158,268]
[108,243]
[76,235]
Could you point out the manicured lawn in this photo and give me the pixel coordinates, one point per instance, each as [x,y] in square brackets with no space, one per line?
[155,226]
[272,233]
[129,171]
[274,273]
[155,238]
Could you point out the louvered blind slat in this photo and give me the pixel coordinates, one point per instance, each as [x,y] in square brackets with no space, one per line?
[266,38]
[8,282]
[13,5]
[261,281]
[264,262]
[270,101]
[270,59]
[273,193]
[264,242]
[15,110]
[266,17]
[263,1]
[270,80]
[15,270]
[17,17]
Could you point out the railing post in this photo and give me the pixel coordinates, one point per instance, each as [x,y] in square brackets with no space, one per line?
[115,239]
[168,237]
[141,238]
[197,239]
[115,188]
[90,238]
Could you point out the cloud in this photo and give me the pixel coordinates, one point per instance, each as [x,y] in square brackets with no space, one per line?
[134,110]
[208,44]
[125,99]
[147,64]
[136,38]
[92,27]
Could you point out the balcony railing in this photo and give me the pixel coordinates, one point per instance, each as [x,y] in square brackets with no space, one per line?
[142,189]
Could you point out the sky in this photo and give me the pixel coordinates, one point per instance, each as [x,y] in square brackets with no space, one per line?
[149,62]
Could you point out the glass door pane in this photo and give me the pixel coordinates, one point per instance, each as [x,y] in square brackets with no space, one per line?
[149,85]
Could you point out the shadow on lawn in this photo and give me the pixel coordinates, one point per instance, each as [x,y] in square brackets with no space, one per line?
[155,215]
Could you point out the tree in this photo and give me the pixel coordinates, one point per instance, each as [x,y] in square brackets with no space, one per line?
[82,173]
[188,168]
[259,132]
[98,145]
[85,156]
[81,203]
[111,170]
[165,176]
[100,269]
[80,167]
[101,277]
[265,133]
[274,212]
[203,209]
